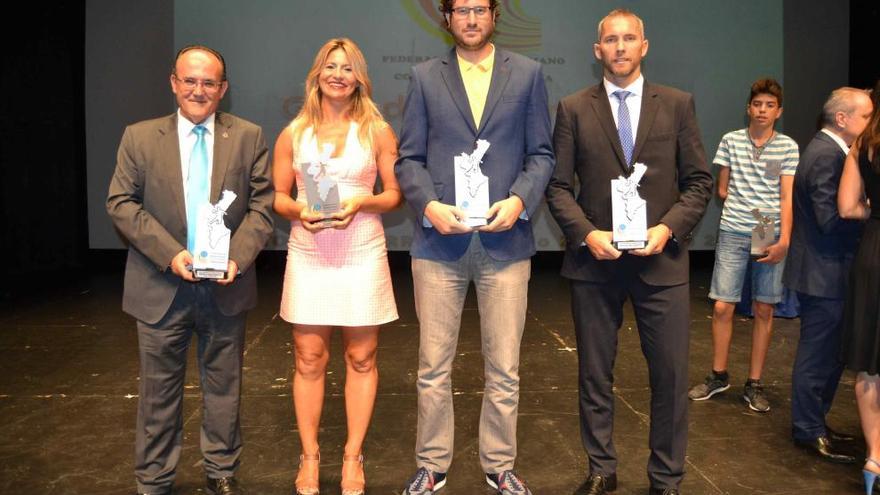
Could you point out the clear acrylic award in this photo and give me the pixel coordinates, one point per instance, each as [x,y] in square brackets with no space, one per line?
[471,185]
[211,256]
[629,211]
[322,189]
[763,235]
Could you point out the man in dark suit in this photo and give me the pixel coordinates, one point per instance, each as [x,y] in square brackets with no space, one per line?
[601,132]
[819,259]
[163,166]
[475,95]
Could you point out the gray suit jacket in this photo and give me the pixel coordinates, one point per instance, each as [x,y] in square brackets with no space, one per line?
[147,206]
[677,185]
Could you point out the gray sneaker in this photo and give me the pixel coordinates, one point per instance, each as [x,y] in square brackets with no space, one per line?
[713,385]
[425,482]
[507,483]
[753,394]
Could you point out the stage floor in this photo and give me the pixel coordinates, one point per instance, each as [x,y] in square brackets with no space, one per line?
[68,394]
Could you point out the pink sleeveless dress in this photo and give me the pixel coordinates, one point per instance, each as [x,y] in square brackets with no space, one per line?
[338,277]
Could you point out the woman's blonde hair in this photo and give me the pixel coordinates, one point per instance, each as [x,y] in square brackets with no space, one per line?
[363,110]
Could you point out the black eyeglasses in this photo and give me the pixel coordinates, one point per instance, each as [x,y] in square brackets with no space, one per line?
[463,12]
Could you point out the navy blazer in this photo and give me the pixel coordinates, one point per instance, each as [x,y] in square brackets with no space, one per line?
[438,125]
[822,244]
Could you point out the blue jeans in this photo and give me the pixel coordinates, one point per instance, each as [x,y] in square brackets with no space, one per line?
[731,260]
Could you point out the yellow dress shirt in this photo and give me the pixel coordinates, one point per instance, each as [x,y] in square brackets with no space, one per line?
[476,78]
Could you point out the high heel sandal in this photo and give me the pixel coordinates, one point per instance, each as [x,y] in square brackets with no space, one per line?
[305,483]
[353,482]
[872,479]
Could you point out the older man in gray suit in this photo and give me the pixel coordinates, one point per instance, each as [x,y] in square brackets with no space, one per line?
[162,166]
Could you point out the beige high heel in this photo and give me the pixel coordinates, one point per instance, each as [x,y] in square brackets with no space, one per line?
[307,483]
[353,480]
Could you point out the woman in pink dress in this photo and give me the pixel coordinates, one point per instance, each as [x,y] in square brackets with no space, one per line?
[337,268]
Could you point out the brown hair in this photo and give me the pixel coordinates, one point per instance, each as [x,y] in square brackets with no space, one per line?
[445,8]
[869,141]
[766,86]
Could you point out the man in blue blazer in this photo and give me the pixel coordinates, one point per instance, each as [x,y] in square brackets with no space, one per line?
[819,258]
[475,92]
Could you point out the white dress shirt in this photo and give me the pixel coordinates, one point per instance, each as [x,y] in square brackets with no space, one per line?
[837,139]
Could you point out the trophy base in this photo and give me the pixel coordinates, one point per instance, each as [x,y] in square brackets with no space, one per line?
[475,221]
[209,274]
[628,245]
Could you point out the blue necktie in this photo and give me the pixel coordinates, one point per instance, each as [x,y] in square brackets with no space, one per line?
[624,127]
[196,185]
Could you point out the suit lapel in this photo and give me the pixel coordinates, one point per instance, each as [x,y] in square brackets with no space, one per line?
[452,77]
[169,150]
[222,145]
[606,119]
[500,76]
[646,117]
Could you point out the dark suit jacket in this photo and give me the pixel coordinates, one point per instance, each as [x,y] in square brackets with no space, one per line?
[147,206]
[438,125]
[822,244]
[676,186]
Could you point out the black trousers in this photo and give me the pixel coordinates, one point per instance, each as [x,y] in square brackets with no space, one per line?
[817,369]
[663,316]
[163,351]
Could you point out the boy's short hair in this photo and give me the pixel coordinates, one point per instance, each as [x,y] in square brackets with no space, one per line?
[766,86]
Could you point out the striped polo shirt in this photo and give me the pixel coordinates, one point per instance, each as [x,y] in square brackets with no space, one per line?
[754,180]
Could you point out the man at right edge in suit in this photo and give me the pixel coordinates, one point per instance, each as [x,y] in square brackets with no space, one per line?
[819,258]
[601,131]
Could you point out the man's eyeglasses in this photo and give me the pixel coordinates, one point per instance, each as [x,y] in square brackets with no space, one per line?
[463,12]
[190,83]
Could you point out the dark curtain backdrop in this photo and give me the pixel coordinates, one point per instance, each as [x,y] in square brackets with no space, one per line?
[42,153]
[864,62]
[44,238]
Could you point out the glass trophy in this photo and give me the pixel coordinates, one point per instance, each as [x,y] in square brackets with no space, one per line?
[763,235]
[629,211]
[211,256]
[472,186]
[322,189]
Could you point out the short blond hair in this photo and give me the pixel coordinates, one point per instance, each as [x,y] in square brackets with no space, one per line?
[620,13]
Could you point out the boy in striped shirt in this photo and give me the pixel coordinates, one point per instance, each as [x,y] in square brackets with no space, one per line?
[757,166]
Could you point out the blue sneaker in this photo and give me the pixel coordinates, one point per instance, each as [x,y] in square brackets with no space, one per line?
[425,482]
[508,483]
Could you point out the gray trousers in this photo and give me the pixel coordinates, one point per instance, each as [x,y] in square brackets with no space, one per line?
[663,320]
[163,352]
[440,290]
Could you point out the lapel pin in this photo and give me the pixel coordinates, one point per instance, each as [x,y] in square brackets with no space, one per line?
[225,134]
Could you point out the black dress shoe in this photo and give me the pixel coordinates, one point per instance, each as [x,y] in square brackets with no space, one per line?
[836,436]
[224,486]
[664,491]
[821,446]
[597,484]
